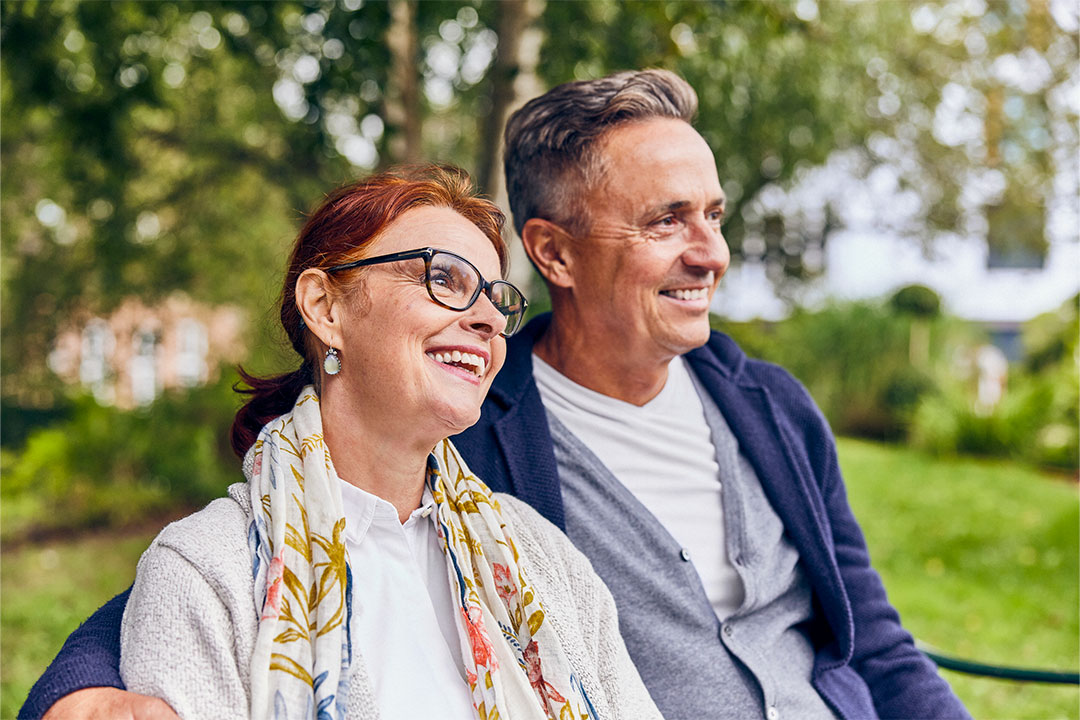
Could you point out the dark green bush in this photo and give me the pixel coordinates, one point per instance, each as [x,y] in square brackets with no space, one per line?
[916,300]
[104,466]
[854,360]
[1035,421]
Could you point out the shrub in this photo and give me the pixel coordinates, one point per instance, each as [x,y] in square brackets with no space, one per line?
[104,466]
[1035,421]
[917,301]
[853,358]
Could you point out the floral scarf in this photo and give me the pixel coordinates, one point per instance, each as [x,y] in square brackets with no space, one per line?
[514,661]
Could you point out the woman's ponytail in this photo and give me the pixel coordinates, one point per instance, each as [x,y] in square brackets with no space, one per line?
[269,397]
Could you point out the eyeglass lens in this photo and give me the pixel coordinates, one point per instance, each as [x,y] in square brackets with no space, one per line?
[455,283]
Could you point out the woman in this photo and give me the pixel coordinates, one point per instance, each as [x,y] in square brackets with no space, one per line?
[362,569]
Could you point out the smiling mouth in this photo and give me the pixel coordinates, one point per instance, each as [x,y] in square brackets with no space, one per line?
[693,292]
[469,362]
[687,293]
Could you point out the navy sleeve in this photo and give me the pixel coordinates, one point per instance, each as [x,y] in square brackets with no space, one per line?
[904,683]
[89,658]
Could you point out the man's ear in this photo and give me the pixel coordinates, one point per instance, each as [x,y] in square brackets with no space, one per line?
[548,246]
[318,307]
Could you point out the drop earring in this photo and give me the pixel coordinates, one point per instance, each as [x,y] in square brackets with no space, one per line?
[331,363]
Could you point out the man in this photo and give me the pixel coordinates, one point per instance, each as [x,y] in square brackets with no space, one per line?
[702,485]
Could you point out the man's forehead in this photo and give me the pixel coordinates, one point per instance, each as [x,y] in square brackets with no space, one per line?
[665,160]
[650,132]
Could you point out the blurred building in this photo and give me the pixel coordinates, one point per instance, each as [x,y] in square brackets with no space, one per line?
[974,284]
[129,357]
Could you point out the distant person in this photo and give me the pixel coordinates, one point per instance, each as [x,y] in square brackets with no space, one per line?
[992,372]
[363,569]
[702,485]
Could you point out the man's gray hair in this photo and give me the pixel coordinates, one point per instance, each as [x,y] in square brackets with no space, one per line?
[551,157]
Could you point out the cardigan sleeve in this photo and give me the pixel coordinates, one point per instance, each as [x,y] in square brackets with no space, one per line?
[190,624]
[903,682]
[89,658]
[179,639]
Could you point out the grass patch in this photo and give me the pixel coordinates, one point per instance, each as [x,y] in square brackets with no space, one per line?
[980,558]
[48,590]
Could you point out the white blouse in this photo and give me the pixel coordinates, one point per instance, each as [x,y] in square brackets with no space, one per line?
[403,613]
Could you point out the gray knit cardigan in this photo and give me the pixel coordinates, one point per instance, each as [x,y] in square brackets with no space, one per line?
[189,628]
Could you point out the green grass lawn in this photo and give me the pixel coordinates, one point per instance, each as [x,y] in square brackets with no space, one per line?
[980,557]
[47,591]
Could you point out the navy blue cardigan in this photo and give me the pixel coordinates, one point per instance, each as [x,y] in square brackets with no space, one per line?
[866,664]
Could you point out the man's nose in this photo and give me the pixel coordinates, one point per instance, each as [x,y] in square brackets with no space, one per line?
[707,248]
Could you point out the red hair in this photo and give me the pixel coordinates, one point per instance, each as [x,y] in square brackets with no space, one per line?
[340,231]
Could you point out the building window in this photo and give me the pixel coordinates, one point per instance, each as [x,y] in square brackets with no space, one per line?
[143,369]
[97,348]
[191,369]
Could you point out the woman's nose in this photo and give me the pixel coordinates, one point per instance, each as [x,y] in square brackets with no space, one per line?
[484,318]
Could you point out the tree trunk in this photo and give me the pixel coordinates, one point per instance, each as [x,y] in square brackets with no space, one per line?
[919,343]
[513,81]
[402,99]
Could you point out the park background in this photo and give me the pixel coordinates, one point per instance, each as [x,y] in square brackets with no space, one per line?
[903,216]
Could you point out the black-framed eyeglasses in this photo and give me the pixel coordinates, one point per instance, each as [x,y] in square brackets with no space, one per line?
[455,283]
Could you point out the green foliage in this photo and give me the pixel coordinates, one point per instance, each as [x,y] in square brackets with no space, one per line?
[1051,338]
[764,110]
[853,358]
[150,147]
[18,422]
[950,422]
[981,559]
[857,361]
[1035,421]
[757,337]
[107,467]
[879,73]
[916,300]
[1038,418]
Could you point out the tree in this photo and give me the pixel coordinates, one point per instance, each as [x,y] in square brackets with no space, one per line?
[151,147]
[960,107]
[921,304]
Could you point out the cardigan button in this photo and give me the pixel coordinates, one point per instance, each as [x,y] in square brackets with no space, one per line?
[685,555]
[772,713]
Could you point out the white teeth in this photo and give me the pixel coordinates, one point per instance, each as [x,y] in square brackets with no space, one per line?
[696,294]
[469,361]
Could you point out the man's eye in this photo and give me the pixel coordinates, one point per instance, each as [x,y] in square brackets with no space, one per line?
[667,221]
[717,216]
